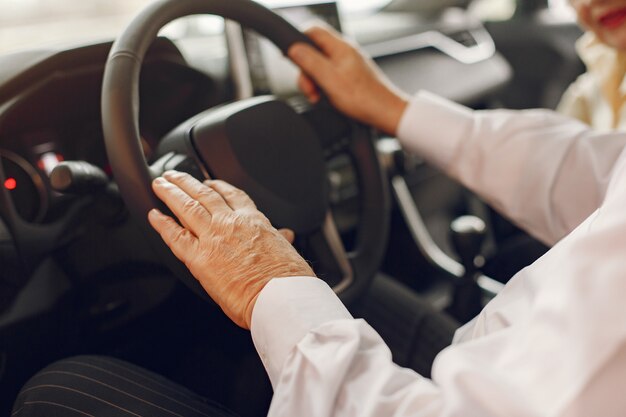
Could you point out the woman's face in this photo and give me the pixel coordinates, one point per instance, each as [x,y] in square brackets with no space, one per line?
[606,18]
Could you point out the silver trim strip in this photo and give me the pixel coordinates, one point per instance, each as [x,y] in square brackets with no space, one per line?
[483,50]
[238,60]
[426,245]
[333,240]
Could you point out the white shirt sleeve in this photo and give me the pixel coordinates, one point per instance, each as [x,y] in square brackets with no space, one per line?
[322,362]
[544,171]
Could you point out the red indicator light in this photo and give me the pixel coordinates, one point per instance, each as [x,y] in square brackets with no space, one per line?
[10,184]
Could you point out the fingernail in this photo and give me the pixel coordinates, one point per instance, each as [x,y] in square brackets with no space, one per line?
[154,213]
[314,98]
[169,173]
[159,181]
[296,51]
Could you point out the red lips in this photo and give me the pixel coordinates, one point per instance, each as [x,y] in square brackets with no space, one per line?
[613,19]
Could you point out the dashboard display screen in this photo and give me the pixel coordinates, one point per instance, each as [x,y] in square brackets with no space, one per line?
[270,71]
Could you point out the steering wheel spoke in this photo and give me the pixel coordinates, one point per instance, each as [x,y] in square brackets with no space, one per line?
[329,257]
[332,128]
[172,161]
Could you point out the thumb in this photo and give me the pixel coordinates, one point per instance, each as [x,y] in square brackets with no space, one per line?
[312,62]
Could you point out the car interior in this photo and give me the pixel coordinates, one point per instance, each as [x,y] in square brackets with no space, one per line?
[85,126]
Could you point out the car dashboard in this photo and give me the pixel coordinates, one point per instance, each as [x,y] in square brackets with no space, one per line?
[57,118]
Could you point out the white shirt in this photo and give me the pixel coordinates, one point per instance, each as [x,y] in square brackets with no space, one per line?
[553,343]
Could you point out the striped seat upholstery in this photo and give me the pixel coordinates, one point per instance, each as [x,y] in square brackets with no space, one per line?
[102,386]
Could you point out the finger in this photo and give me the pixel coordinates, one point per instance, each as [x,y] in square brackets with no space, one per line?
[288,234]
[182,243]
[308,88]
[313,63]
[206,196]
[327,39]
[189,211]
[234,197]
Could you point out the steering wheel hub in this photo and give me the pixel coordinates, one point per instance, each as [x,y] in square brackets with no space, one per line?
[263,146]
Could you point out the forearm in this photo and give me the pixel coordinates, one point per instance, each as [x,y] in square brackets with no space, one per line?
[544,171]
[285,312]
[322,362]
[343,368]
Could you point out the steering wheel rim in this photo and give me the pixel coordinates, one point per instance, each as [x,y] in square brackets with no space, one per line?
[120,110]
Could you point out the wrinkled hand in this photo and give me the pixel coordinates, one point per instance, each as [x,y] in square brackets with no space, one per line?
[226,243]
[352,82]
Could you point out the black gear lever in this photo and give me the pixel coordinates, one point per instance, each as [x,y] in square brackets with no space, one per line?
[467,234]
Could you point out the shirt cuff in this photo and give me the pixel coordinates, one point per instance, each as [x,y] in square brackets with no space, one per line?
[433,128]
[286,310]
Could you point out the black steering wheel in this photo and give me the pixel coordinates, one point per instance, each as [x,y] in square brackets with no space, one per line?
[261,145]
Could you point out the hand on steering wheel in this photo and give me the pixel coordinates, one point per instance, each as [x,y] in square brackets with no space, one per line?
[352,82]
[227,244]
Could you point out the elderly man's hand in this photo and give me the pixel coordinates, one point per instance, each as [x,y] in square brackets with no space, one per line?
[226,243]
[351,81]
